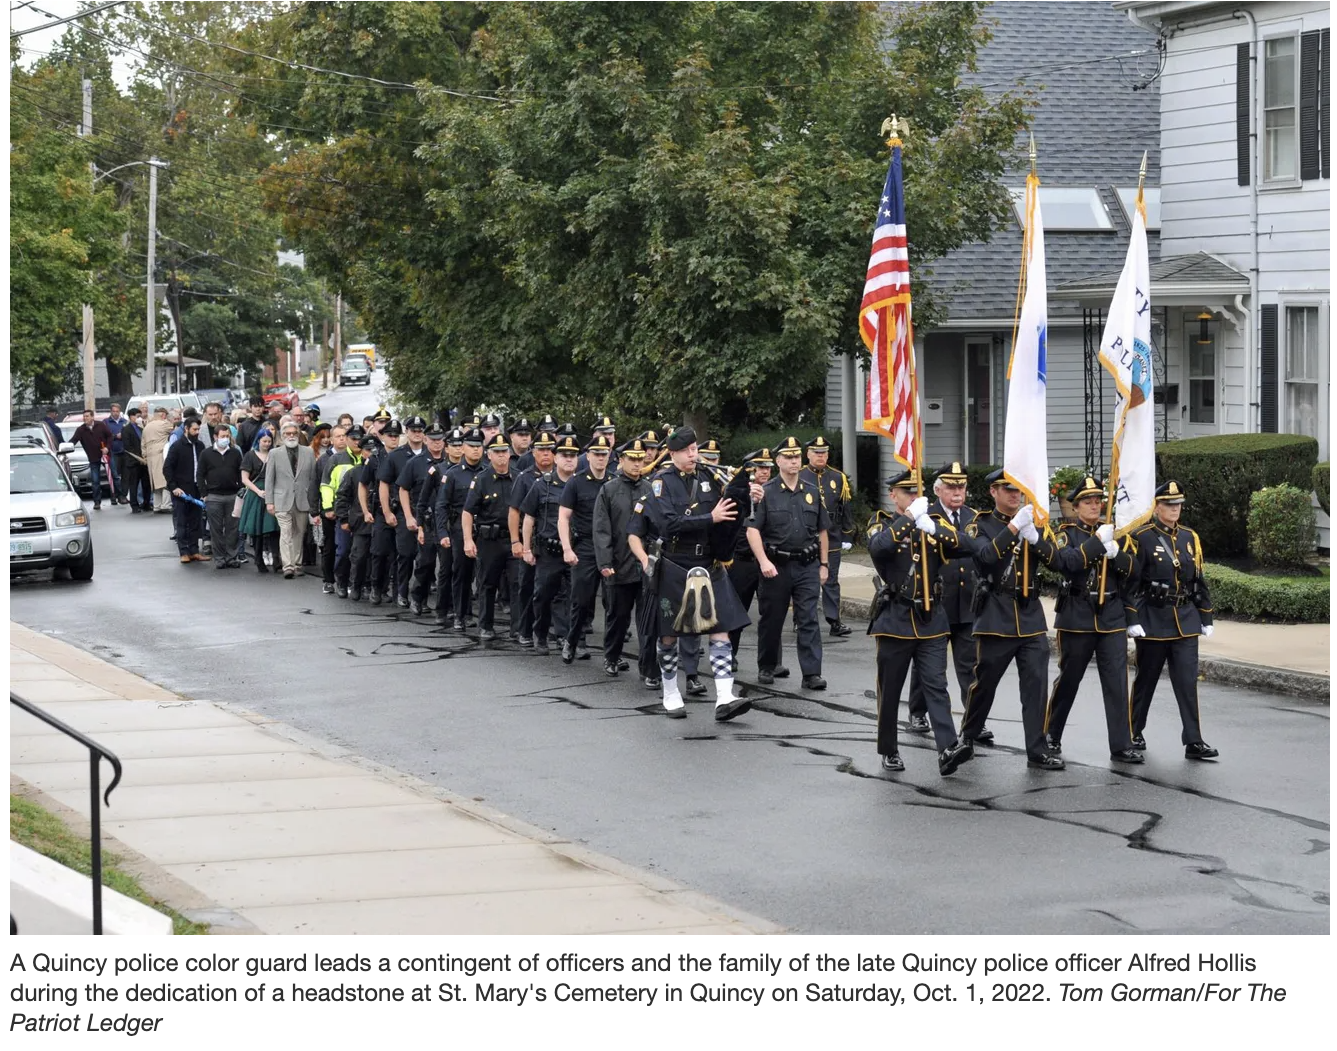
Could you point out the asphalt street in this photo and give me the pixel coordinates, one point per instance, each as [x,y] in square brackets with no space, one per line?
[783,812]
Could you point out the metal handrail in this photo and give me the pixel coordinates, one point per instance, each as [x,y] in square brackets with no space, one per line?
[95,754]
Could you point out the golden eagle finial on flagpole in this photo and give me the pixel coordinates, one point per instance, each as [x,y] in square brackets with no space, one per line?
[895,128]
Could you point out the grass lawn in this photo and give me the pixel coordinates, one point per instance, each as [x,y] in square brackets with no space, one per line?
[42,831]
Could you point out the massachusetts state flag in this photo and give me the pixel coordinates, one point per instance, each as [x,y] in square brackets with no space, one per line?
[1125,352]
[891,405]
[1025,450]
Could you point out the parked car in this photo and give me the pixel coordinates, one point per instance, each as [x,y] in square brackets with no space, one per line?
[240,399]
[30,434]
[48,525]
[355,369]
[283,393]
[149,402]
[219,394]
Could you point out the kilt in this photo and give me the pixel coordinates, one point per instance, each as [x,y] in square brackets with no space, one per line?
[729,612]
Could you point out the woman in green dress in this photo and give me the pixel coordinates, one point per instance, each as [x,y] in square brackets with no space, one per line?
[256,522]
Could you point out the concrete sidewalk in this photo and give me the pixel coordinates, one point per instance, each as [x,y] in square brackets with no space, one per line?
[1289,658]
[256,828]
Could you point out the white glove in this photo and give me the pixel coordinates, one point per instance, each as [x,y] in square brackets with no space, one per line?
[918,507]
[1136,631]
[1029,533]
[846,545]
[1206,631]
[926,524]
[1023,518]
[1111,549]
[1106,533]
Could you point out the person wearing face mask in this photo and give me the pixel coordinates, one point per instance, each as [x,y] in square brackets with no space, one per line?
[220,482]
[288,477]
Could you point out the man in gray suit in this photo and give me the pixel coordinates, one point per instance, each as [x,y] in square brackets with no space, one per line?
[287,481]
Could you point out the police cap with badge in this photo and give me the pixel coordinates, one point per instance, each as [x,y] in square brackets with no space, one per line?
[415,423]
[393,429]
[473,436]
[632,450]
[545,440]
[497,444]
[1088,486]
[1170,493]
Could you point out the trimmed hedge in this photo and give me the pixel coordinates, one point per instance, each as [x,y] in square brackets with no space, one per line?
[1221,472]
[1281,526]
[1303,599]
[1322,488]
[977,489]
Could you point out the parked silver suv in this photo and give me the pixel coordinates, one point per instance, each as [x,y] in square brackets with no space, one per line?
[48,526]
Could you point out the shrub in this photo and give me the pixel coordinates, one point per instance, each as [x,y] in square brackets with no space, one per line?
[1321,486]
[1281,526]
[1303,599]
[977,489]
[1221,472]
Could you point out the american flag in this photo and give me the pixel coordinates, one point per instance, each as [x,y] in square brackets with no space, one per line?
[892,401]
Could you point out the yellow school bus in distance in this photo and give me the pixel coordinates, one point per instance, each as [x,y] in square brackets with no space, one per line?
[366,349]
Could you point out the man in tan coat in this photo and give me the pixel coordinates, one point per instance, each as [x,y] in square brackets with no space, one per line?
[156,433]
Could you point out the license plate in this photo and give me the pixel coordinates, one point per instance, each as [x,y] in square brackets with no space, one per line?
[20,547]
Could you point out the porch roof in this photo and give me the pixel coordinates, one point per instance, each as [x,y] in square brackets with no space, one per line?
[1177,280]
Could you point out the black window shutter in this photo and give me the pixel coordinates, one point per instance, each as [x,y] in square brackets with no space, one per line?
[1324,123]
[1267,389]
[1242,94]
[1309,138]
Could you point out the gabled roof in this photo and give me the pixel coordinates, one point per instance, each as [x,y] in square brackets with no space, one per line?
[1090,130]
[1190,276]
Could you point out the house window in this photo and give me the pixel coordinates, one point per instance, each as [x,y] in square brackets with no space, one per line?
[1151,197]
[1303,366]
[1065,208]
[1201,373]
[1280,109]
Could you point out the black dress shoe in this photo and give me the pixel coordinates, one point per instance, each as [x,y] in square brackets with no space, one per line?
[676,713]
[340,590]
[1127,755]
[1200,750]
[610,668]
[1045,762]
[651,683]
[919,724]
[375,599]
[1055,747]
[951,758]
[355,595]
[893,762]
[415,607]
[839,630]
[541,648]
[766,678]
[1139,743]
[781,672]
[695,687]
[985,736]
[814,682]
[568,653]
[729,709]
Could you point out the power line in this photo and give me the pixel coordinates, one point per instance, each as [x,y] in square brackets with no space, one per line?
[59,21]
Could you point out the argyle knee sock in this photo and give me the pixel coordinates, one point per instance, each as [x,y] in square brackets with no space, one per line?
[668,671]
[721,666]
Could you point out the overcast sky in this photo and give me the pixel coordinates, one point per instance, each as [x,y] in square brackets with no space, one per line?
[43,40]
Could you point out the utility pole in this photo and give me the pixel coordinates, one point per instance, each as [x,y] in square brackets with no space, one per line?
[150,371]
[338,333]
[89,347]
[324,348]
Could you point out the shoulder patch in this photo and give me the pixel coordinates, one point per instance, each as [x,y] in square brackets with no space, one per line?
[657,487]
[473,483]
[807,497]
[972,530]
[639,506]
[1061,538]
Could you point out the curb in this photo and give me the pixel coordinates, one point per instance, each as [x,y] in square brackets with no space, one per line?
[1221,670]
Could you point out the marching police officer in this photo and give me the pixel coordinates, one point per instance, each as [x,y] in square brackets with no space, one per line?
[418,479]
[1091,622]
[352,509]
[522,586]
[398,514]
[521,437]
[450,496]
[575,525]
[341,519]
[834,489]
[454,446]
[1172,608]
[699,525]
[958,589]
[1009,620]
[621,571]
[543,546]
[910,620]
[743,571]
[486,534]
[788,534]
[490,425]
[374,477]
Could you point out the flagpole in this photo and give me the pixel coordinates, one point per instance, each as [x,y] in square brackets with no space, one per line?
[1026,243]
[1113,480]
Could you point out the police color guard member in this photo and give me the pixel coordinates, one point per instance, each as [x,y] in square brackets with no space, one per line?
[910,621]
[698,525]
[1171,609]
[1089,616]
[1009,620]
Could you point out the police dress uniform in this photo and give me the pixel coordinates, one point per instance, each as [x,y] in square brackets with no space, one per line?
[522,584]
[488,504]
[578,497]
[614,507]
[1172,607]
[788,523]
[331,476]
[351,574]
[450,497]
[1087,627]
[744,573]
[406,540]
[679,513]
[1010,624]
[911,623]
[837,497]
[958,590]
[552,576]
[382,532]
[420,477]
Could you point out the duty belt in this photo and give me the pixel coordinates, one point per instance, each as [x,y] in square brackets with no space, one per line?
[699,550]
